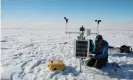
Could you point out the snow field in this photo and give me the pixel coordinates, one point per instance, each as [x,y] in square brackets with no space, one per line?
[25,56]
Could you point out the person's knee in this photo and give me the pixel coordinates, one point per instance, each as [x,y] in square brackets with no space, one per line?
[90,62]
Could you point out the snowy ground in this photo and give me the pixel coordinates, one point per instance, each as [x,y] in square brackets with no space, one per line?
[25,56]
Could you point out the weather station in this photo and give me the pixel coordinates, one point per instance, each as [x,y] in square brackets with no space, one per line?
[82,44]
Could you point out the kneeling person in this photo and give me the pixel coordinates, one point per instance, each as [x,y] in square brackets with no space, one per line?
[100,53]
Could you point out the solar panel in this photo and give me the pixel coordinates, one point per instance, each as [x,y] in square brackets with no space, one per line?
[81,48]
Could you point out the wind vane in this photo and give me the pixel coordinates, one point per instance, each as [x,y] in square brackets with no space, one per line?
[66,23]
[66,20]
[98,21]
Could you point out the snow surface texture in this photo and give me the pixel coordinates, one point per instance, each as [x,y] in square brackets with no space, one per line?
[25,56]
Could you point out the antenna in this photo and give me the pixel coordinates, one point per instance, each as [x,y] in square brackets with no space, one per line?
[98,21]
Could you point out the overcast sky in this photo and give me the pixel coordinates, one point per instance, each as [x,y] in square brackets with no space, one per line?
[24,13]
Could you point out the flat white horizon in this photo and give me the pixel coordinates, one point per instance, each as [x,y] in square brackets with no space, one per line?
[56,25]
